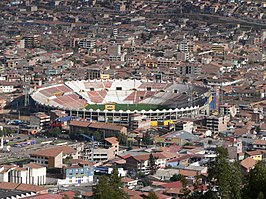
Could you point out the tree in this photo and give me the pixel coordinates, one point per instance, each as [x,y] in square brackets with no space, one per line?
[122,138]
[1,133]
[77,195]
[176,177]
[235,180]
[260,196]
[225,176]
[256,182]
[54,132]
[109,187]
[102,189]
[146,139]
[152,164]
[152,195]
[185,191]
[65,196]
[97,136]
[115,179]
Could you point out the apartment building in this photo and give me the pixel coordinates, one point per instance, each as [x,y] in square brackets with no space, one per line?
[102,152]
[217,123]
[53,157]
[188,69]
[140,163]
[40,120]
[77,172]
[30,41]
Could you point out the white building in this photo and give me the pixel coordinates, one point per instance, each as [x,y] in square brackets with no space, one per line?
[30,174]
[6,87]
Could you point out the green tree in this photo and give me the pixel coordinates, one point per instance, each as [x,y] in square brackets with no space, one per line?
[260,196]
[152,164]
[77,195]
[256,182]
[152,195]
[65,196]
[184,190]
[122,138]
[115,179]
[109,187]
[210,195]
[103,189]
[176,177]
[225,176]
[146,139]
[97,136]
[235,180]
[1,133]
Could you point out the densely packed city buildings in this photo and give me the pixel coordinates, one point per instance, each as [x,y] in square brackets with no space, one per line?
[152,89]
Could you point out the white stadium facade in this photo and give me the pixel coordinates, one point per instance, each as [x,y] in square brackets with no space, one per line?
[119,101]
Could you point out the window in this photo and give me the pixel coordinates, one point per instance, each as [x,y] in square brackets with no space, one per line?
[91,89]
[148,88]
[118,88]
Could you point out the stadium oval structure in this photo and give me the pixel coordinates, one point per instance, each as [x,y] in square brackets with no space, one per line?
[119,101]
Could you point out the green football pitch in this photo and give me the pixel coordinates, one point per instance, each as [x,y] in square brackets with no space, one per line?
[126,107]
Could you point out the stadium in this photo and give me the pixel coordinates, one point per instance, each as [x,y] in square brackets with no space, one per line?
[119,101]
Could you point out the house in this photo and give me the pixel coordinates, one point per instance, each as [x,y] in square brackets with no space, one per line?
[2,104]
[28,174]
[140,163]
[61,121]
[129,182]
[53,157]
[78,171]
[177,137]
[112,142]
[259,144]
[164,174]
[8,87]
[183,160]
[256,155]
[248,164]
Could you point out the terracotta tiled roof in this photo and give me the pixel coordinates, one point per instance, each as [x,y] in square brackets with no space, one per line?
[145,157]
[248,163]
[70,194]
[127,179]
[112,140]
[87,194]
[176,184]
[80,161]
[34,166]
[133,194]
[8,185]
[188,173]
[21,187]
[79,123]
[260,142]
[55,151]
[252,153]
[30,187]
[47,196]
